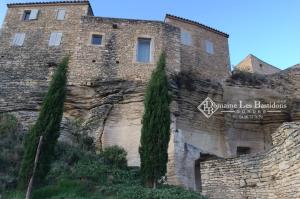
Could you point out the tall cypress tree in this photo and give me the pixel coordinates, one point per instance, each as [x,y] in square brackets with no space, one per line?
[47,125]
[155,127]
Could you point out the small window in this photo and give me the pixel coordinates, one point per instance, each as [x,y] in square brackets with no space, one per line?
[30,14]
[186,37]
[242,150]
[261,65]
[96,39]
[143,50]
[209,46]
[55,39]
[26,15]
[18,39]
[61,14]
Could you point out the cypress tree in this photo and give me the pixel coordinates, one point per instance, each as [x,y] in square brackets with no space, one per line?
[47,125]
[155,127]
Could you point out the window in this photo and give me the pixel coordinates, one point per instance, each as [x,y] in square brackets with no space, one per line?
[143,50]
[186,37]
[18,39]
[30,14]
[209,46]
[55,39]
[242,150]
[61,14]
[96,39]
[26,15]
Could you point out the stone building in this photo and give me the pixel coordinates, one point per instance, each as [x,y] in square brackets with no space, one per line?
[111,60]
[253,64]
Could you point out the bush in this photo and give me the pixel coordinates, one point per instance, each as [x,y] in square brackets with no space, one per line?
[11,150]
[252,79]
[8,124]
[166,192]
[115,156]
[185,80]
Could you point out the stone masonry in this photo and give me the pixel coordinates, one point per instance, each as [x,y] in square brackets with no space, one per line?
[272,174]
[106,87]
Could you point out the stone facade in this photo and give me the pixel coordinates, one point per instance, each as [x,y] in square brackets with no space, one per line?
[272,174]
[254,65]
[106,84]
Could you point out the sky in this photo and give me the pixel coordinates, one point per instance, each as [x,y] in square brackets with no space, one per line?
[268,29]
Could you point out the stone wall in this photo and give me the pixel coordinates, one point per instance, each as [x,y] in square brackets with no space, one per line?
[194,57]
[105,83]
[253,64]
[272,174]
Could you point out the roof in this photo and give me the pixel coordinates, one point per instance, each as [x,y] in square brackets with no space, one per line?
[253,66]
[51,2]
[197,24]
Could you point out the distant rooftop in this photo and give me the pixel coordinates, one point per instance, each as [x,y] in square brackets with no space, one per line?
[197,24]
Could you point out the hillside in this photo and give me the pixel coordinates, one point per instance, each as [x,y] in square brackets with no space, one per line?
[78,173]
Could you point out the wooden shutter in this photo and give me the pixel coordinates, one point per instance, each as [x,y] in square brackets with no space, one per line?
[61,14]
[58,38]
[52,39]
[18,39]
[55,39]
[33,14]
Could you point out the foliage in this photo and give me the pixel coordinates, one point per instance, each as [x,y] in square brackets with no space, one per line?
[8,124]
[185,80]
[165,192]
[11,150]
[156,127]
[84,141]
[252,79]
[90,177]
[115,156]
[47,125]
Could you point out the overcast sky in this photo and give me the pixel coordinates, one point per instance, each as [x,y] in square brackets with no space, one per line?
[269,29]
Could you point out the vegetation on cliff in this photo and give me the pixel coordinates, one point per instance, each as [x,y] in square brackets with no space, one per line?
[85,175]
[156,127]
[47,125]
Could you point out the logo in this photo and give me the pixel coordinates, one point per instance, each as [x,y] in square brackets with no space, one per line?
[254,110]
[208,107]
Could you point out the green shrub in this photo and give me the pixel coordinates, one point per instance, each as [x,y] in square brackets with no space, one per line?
[185,80]
[63,187]
[82,139]
[8,124]
[252,79]
[14,195]
[168,192]
[11,151]
[115,156]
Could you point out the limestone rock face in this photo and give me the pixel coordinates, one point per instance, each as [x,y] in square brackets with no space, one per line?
[224,134]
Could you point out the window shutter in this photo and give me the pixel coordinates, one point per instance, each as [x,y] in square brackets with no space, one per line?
[52,39]
[21,39]
[33,14]
[55,39]
[61,14]
[58,38]
[18,39]
[186,37]
[209,47]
